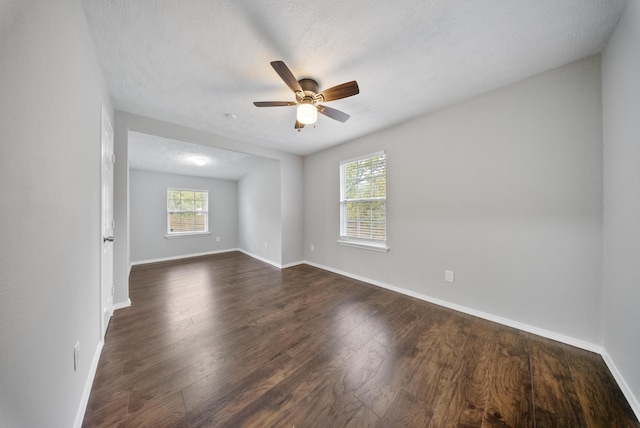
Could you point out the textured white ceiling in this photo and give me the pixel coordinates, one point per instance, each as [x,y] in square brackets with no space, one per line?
[200,63]
[152,153]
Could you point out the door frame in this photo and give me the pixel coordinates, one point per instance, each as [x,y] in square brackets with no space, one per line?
[106,265]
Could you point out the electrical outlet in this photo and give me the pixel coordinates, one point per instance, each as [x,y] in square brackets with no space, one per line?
[76,356]
[217,239]
[312,247]
[266,245]
[448,275]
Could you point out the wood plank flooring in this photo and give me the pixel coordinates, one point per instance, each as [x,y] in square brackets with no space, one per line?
[229,341]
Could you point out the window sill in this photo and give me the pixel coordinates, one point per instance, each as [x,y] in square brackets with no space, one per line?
[186,235]
[382,248]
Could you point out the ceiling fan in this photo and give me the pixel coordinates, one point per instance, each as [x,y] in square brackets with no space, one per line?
[308,97]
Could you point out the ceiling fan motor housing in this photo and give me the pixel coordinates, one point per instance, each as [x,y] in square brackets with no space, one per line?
[309,85]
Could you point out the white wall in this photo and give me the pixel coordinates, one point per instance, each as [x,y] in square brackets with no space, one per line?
[621,113]
[148,216]
[504,189]
[121,244]
[292,219]
[259,210]
[51,91]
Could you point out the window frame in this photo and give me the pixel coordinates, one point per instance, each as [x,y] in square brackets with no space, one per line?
[171,234]
[364,243]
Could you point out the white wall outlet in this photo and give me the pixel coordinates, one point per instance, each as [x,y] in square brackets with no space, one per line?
[266,245]
[76,356]
[312,247]
[217,239]
[448,275]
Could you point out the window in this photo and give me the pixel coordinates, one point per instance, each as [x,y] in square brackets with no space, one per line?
[187,212]
[363,196]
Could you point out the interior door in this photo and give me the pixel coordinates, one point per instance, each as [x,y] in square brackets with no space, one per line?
[106,264]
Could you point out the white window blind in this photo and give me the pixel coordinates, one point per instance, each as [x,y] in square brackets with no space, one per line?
[187,211]
[363,198]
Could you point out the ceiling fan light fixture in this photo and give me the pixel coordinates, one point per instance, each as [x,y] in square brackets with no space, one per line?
[307,113]
[308,97]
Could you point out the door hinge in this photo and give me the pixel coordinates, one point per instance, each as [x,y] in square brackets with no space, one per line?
[113,159]
[112,290]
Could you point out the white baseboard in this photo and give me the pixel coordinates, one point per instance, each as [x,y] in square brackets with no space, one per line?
[88,385]
[182,256]
[262,259]
[628,393]
[288,265]
[122,305]
[490,317]
[272,263]
[208,253]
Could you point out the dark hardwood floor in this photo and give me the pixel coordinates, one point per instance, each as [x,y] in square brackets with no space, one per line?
[229,341]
